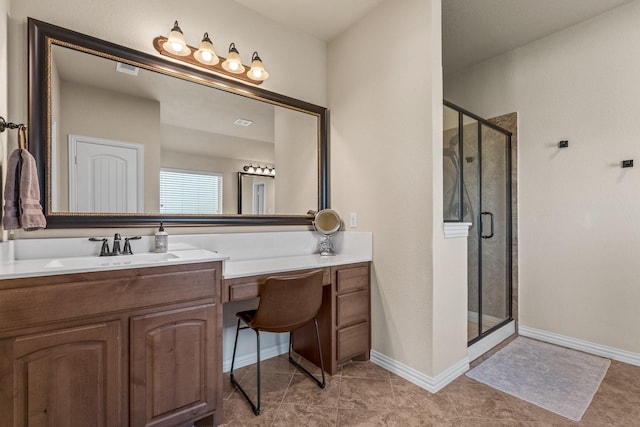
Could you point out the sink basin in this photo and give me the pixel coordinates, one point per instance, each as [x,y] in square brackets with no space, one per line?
[105,261]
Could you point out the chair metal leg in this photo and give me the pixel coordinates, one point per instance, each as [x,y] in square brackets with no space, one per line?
[235,345]
[322,383]
[254,407]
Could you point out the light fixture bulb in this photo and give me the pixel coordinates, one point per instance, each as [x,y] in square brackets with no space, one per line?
[251,169]
[175,43]
[258,169]
[257,71]
[205,55]
[233,64]
[273,171]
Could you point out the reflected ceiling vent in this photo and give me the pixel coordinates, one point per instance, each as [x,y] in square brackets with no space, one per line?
[127,69]
[242,122]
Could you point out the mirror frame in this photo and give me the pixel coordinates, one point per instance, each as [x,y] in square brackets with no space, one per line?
[41,37]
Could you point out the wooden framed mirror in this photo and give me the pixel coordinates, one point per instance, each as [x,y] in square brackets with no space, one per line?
[92,101]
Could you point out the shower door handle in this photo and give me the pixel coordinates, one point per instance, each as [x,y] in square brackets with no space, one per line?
[482,226]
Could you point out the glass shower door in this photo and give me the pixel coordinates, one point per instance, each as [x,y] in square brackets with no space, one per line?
[477,189]
[494,231]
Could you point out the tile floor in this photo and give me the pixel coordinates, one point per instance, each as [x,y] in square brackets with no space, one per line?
[363,394]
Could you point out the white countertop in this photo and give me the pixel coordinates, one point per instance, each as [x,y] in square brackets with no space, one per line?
[253,267]
[243,254]
[56,266]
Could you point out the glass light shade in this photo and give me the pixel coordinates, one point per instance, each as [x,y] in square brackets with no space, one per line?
[258,169]
[175,44]
[257,71]
[233,64]
[205,55]
[251,169]
[273,171]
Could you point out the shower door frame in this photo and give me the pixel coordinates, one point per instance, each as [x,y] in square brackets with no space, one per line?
[509,210]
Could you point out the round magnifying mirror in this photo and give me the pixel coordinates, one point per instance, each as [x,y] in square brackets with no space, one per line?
[327,222]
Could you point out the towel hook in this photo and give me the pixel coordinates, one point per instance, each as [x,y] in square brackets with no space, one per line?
[9,125]
[22,138]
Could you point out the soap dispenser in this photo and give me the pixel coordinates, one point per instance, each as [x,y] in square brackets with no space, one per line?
[162,239]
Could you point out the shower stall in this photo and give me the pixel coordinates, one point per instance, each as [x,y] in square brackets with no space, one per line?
[477,189]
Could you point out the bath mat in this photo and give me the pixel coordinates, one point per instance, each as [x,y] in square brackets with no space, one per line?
[555,378]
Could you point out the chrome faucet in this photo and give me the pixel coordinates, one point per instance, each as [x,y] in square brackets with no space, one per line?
[104,250]
[115,250]
[127,246]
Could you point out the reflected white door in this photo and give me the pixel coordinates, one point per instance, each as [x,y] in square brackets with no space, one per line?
[105,176]
[258,198]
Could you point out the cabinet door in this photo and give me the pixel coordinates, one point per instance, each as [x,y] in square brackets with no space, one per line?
[173,366]
[68,377]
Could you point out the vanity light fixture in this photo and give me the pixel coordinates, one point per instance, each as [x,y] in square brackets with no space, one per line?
[205,57]
[175,43]
[233,64]
[259,170]
[257,71]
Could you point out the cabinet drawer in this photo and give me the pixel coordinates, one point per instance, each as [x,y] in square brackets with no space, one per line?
[42,300]
[241,288]
[351,279]
[352,341]
[352,308]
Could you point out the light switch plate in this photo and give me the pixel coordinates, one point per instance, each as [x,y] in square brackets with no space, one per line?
[353,220]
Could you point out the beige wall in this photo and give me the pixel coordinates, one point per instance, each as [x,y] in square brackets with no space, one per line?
[578,238]
[135,24]
[294,134]
[98,113]
[386,165]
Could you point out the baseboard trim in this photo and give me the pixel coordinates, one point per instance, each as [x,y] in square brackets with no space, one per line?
[493,339]
[578,344]
[426,382]
[250,359]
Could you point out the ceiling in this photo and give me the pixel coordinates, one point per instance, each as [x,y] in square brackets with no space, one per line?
[472,30]
[323,19]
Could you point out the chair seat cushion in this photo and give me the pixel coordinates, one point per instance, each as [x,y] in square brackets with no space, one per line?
[247,316]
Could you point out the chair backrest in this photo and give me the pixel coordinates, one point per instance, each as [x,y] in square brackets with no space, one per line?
[288,302]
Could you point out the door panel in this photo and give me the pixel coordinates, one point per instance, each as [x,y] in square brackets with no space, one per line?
[173,366]
[495,231]
[69,377]
[105,176]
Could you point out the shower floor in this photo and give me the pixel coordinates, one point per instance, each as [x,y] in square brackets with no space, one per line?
[472,330]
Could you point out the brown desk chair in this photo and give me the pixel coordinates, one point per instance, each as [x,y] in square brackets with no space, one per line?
[286,303]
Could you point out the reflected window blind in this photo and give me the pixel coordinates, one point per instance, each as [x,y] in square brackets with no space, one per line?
[190,192]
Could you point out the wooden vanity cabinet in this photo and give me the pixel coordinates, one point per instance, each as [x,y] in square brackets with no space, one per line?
[344,319]
[133,347]
[353,312]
